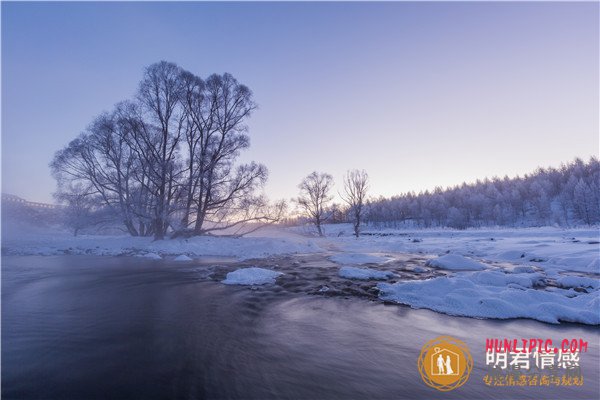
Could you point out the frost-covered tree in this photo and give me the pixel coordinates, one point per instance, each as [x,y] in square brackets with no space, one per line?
[219,193]
[166,161]
[159,98]
[315,194]
[356,184]
[583,202]
[102,159]
[569,195]
[80,208]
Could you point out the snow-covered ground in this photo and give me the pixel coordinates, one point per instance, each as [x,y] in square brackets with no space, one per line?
[56,243]
[549,274]
[492,294]
[552,249]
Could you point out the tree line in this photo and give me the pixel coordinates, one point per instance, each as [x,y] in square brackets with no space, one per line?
[164,162]
[564,196]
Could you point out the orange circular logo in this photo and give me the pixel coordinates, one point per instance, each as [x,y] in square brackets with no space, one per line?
[445,363]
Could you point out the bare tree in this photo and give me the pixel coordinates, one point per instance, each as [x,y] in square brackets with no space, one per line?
[159,95]
[314,196]
[81,208]
[167,160]
[356,184]
[110,160]
[223,135]
[217,194]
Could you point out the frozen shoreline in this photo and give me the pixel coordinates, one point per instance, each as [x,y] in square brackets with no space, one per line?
[574,249]
[550,274]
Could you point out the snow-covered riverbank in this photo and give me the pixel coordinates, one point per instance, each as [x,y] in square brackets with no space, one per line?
[547,274]
[547,248]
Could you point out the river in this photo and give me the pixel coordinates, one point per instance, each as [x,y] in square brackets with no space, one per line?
[87,327]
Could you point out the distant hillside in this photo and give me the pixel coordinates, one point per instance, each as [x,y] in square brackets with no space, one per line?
[565,196]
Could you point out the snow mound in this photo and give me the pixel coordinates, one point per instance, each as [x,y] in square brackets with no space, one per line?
[363,273]
[496,278]
[359,258]
[456,263]
[523,268]
[152,256]
[251,276]
[481,296]
[578,282]
[182,257]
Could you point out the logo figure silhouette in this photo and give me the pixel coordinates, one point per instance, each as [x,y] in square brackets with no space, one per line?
[449,370]
[440,365]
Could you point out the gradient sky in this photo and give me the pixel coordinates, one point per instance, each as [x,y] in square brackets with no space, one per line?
[419,95]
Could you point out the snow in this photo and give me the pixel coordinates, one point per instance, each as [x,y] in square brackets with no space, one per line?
[522,268]
[497,278]
[359,258]
[549,274]
[594,265]
[363,273]
[549,248]
[152,256]
[486,296]
[455,262]
[251,276]
[553,250]
[578,282]
[182,257]
[57,243]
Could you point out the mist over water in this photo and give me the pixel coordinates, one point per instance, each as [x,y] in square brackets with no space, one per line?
[82,327]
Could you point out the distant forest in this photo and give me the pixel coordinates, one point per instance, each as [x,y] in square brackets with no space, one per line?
[564,196]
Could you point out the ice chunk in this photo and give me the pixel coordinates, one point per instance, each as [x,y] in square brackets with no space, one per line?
[152,256]
[251,276]
[456,263]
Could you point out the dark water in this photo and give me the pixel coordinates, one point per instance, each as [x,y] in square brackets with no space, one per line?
[76,327]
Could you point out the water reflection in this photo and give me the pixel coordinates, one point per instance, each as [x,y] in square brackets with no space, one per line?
[76,327]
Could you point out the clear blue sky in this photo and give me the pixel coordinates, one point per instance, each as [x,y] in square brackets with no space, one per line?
[419,95]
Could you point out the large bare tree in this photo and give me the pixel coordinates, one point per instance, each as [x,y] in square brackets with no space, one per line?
[356,184]
[216,193]
[314,195]
[167,160]
[159,96]
[102,160]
